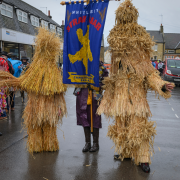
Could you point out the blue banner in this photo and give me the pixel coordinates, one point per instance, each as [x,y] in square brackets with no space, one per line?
[84,25]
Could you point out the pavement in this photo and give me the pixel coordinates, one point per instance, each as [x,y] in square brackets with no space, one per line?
[70,163]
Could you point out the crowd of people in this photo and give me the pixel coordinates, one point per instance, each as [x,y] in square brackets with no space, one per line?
[7,94]
[158,65]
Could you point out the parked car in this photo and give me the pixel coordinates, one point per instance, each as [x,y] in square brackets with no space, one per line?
[171,71]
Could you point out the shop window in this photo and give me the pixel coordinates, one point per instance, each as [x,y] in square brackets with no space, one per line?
[26,50]
[12,49]
[44,24]
[7,10]
[22,16]
[35,21]
[59,31]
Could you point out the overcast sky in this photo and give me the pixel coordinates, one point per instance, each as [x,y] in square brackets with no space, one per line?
[150,12]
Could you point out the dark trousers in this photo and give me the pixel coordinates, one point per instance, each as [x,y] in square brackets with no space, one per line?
[161,71]
[12,98]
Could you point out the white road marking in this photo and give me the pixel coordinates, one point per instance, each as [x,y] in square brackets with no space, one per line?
[172,109]
[176,115]
[170,104]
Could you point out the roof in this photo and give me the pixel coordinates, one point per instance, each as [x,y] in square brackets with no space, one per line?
[30,9]
[14,24]
[172,40]
[158,37]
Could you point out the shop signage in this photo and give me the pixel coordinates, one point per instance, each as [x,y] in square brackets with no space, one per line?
[10,33]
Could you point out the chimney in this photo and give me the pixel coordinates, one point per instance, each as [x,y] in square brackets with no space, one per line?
[49,15]
[62,22]
[161,29]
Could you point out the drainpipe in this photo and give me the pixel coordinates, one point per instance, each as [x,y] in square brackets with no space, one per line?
[1,46]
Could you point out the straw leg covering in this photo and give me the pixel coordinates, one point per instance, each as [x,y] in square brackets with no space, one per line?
[133,137]
[41,118]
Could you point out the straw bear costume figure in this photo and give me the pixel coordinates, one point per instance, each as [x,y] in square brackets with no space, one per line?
[42,81]
[126,89]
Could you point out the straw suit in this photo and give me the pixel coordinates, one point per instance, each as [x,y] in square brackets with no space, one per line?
[131,76]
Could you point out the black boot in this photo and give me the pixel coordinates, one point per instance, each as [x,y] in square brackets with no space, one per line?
[0,134]
[87,134]
[118,157]
[145,167]
[95,146]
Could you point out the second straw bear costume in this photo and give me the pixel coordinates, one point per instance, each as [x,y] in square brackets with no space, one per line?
[126,89]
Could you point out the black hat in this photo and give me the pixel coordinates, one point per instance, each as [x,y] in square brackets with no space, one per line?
[24,57]
[4,53]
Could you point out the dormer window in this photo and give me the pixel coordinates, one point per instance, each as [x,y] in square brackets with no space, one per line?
[44,24]
[35,21]
[59,31]
[52,28]
[7,10]
[22,16]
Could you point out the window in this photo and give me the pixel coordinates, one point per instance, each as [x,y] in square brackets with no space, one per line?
[35,21]
[168,56]
[172,57]
[170,51]
[52,28]
[22,16]
[155,57]
[59,31]
[173,63]
[165,57]
[165,51]
[7,10]
[155,47]
[44,24]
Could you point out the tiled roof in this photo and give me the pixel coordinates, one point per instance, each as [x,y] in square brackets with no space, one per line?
[30,9]
[172,40]
[158,37]
[14,24]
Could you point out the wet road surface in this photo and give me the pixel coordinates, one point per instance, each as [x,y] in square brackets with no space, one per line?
[69,163]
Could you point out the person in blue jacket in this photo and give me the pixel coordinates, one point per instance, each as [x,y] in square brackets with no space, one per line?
[154,64]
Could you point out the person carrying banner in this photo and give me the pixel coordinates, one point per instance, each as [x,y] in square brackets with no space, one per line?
[83,112]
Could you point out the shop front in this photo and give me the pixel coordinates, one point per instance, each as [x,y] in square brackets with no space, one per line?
[17,44]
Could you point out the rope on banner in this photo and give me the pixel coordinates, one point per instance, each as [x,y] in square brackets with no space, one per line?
[85,1]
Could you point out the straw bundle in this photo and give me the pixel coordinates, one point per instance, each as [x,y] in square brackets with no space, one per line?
[131,76]
[8,80]
[43,76]
[42,81]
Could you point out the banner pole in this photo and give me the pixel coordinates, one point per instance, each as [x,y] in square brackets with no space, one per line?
[85,1]
[91,111]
